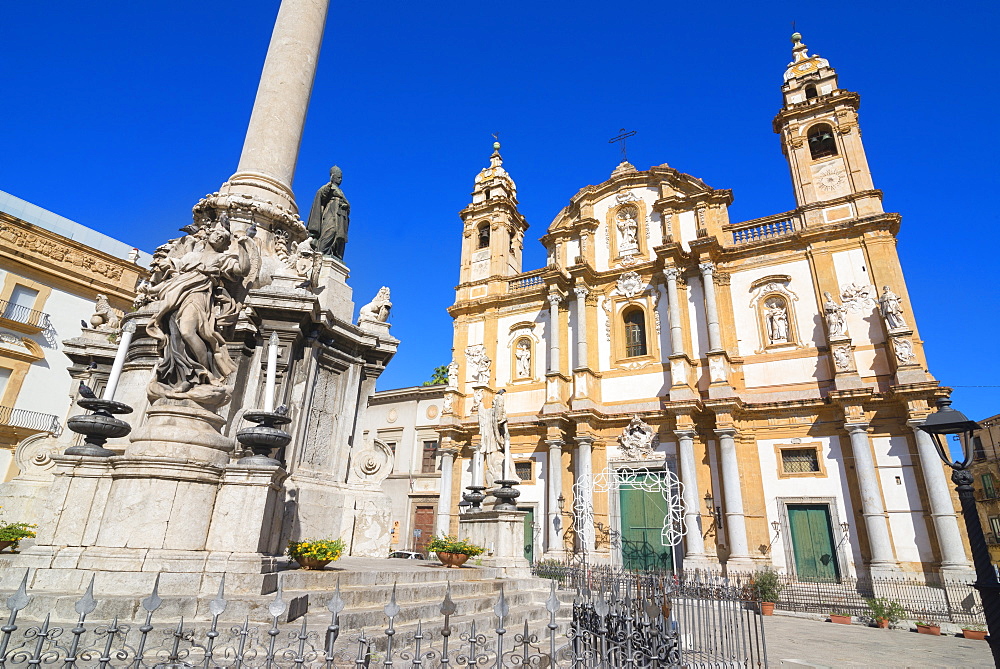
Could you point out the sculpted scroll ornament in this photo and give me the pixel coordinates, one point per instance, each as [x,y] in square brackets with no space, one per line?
[629,285]
[903,350]
[858,299]
[842,358]
[478,363]
[716,369]
[638,440]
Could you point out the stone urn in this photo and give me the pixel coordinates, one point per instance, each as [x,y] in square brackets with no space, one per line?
[450,560]
[311,563]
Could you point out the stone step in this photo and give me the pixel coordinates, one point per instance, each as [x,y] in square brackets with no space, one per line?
[358,596]
[307,579]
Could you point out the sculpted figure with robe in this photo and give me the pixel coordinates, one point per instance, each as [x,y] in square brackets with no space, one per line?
[330,216]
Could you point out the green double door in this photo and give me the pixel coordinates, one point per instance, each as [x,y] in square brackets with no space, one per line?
[642,514]
[529,534]
[812,542]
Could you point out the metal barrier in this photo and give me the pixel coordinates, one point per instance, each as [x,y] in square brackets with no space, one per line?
[29,420]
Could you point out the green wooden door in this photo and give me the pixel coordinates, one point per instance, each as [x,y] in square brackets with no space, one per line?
[812,542]
[642,514]
[529,534]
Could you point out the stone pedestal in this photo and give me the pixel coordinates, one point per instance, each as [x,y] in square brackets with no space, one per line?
[845,369]
[502,533]
[248,510]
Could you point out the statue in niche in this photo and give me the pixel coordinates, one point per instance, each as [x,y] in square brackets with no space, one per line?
[495,441]
[628,230]
[330,216]
[523,357]
[834,313]
[378,309]
[776,320]
[200,287]
[892,310]
[105,317]
[638,441]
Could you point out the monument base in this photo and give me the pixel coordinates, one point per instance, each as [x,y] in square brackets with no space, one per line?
[502,534]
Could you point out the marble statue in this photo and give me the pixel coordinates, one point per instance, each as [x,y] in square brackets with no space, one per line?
[891,308]
[105,317]
[835,321]
[479,363]
[637,440]
[377,309]
[199,291]
[494,438]
[776,319]
[628,230]
[523,356]
[330,217]
[448,405]
[453,374]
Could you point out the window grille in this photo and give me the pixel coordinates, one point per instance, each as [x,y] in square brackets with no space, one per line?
[635,333]
[428,464]
[799,460]
[523,470]
[989,489]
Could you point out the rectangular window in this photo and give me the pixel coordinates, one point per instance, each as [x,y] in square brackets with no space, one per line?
[392,446]
[978,452]
[428,464]
[995,526]
[989,490]
[523,470]
[799,460]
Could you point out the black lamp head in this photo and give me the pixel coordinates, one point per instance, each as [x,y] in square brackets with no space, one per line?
[947,421]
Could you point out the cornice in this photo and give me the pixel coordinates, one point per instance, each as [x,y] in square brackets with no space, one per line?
[797,110]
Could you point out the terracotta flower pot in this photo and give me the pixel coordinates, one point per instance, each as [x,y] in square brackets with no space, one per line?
[882,623]
[311,563]
[978,635]
[767,608]
[5,544]
[933,630]
[450,560]
[840,620]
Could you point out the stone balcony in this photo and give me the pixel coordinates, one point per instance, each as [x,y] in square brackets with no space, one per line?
[22,319]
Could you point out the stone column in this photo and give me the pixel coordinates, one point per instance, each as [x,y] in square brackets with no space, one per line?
[942,509]
[553,334]
[674,312]
[585,469]
[711,310]
[694,543]
[581,325]
[444,496]
[271,148]
[876,524]
[554,490]
[732,494]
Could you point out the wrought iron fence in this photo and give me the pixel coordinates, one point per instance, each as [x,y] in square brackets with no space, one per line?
[931,598]
[637,624]
[30,420]
[22,314]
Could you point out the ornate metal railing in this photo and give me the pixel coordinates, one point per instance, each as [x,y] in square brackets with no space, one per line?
[764,228]
[21,314]
[636,625]
[29,420]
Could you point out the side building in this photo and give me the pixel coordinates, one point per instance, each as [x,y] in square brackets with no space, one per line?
[771,369]
[59,281]
[986,469]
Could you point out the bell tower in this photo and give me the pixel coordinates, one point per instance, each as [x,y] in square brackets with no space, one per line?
[493,234]
[821,139]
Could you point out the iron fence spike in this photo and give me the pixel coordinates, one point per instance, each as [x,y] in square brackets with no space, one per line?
[19,599]
[336,603]
[392,608]
[552,603]
[278,605]
[86,604]
[501,609]
[153,602]
[218,605]
[448,606]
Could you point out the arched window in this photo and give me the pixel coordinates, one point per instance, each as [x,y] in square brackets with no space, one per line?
[484,236]
[821,142]
[635,332]
[811,91]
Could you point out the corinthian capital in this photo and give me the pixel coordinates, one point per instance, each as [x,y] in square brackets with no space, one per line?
[671,273]
[707,267]
[581,291]
[554,299]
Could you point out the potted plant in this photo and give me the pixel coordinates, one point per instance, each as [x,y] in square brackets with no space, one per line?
[934,629]
[840,618]
[315,553]
[977,632]
[885,611]
[766,588]
[12,533]
[452,551]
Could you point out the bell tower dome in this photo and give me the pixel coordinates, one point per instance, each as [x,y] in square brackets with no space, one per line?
[821,139]
[493,228]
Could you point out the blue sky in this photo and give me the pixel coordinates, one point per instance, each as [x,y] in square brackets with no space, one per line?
[121,114]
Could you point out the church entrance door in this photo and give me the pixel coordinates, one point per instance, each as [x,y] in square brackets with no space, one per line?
[643,510]
[529,534]
[812,543]
[423,526]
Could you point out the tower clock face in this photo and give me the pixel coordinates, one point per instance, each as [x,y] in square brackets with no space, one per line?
[831,177]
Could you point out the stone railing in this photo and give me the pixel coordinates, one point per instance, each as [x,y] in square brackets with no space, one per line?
[29,420]
[23,315]
[526,281]
[768,227]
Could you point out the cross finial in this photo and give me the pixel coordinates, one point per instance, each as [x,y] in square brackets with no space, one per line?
[622,135]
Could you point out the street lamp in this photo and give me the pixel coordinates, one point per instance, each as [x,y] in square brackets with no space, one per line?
[940,425]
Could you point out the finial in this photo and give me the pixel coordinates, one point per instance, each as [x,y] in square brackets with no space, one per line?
[496,146]
[796,37]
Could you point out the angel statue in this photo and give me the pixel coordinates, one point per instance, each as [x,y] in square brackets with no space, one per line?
[204,280]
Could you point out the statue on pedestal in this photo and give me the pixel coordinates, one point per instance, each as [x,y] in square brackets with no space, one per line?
[378,309]
[892,310]
[330,217]
[494,438]
[835,321]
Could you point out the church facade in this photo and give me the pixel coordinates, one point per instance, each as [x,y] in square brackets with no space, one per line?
[768,374]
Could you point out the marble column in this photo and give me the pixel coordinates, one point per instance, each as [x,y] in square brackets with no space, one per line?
[585,470]
[949,538]
[732,495]
[711,310]
[444,496]
[674,312]
[554,490]
[872,508]
[553,333]
[581,325]
[694,542]
[271,148]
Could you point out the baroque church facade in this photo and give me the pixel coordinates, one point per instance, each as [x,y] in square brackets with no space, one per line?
[769,374]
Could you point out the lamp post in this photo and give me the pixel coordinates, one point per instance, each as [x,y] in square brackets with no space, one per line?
[940,425]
